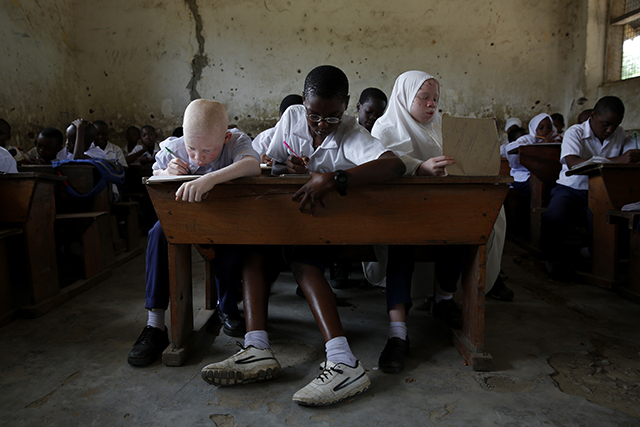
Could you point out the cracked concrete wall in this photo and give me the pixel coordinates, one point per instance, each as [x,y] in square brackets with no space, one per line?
[142,62]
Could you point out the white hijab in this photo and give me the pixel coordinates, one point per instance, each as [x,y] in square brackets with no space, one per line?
[535,122]
[400,132]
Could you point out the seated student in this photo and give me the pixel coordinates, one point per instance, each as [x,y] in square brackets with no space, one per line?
[601,135]
[371,107]
[541,130]
[7,162]
[206,149]
[262,141]
[339,154]
[412,128]
[133,138]
[80,135]
[178,132]
[112,151]
[512,123]
[50,147]
[558,123]
[145,152]
[584,115]
[5,136]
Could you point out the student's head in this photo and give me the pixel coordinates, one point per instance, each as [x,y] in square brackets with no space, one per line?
[5,132]
[606,116]
[584,116]
[288,101]
[515,132]
[512,123]
[148,136]
[90,135]
[558,121]
[325,96]
[49,142]
[205,130]
[103,133]
[541,125]
[178,132]
[424,105]
[132,135]
[371,106]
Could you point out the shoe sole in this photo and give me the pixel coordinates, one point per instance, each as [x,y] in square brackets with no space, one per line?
[333,402]
[220,378]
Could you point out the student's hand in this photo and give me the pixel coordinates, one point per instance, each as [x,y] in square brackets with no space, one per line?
[81,123]
[177,167]
[435,166]
[631,156]
[296,166]
[266,159]
[315,190]
[196,190]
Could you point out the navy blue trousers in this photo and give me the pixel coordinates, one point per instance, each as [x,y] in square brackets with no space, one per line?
[226,265]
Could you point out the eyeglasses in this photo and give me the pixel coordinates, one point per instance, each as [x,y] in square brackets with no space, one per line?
[317,119]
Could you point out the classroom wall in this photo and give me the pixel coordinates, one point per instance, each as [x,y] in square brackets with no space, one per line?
[142,62]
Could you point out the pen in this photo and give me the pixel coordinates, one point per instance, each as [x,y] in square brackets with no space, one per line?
[265,147]
[176,157]
[294,153]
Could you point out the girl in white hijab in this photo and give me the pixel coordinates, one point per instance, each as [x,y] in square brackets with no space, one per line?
[412,128]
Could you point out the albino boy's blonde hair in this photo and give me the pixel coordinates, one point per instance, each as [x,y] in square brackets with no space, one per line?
[205,117]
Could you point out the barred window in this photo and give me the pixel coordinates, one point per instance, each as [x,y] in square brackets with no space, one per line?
[624,36]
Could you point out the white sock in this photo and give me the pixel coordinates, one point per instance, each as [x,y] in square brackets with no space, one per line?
[442,297]
[398,330]
[258,339]
[156,318]
[338,351]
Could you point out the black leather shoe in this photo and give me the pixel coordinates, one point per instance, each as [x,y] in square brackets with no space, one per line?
[500,291]
[232,324]
[448,311]
[149,345]
[392,357]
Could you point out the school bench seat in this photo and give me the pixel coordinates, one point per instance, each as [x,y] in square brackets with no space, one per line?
[630,219]
[8,306]
[83,227]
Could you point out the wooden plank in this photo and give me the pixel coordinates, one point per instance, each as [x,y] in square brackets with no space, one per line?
[181,293]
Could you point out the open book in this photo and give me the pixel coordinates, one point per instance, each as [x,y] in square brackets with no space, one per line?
[593,161]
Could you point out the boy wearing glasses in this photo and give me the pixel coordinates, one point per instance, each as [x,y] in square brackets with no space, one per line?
[338,153]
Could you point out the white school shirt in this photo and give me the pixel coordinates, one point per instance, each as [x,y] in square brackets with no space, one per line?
[7,162]
[263,139]
[146,154]
[114,152]
[519,172]
[348,146]
[580,141]
[239,146]
[94,152]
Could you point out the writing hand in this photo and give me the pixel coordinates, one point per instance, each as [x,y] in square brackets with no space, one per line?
[297,166]
[314,191]
[177,167]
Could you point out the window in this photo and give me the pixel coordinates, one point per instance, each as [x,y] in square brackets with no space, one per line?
[624,35]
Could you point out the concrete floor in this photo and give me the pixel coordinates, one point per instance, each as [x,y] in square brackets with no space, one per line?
[565,355]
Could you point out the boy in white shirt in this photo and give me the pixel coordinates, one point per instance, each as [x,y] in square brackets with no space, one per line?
[263,140]
[339,154]
[112,151]
[601,135]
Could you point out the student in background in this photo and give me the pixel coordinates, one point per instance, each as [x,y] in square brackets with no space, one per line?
[601,135]
[512,123]
[340,155]
[133,138]
[371,107]
[541,130]
[112,151]
[584,115]
[50,146]
[7,161]
[145,152]
[219,155]
[80,137]
[263,140]
[558,123]
[178,132]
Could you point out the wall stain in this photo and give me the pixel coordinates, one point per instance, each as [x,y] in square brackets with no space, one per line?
[200,59]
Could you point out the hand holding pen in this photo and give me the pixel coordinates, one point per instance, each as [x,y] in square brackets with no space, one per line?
[177,166]
[295,163]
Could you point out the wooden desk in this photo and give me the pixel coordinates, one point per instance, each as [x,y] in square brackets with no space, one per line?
[28,202]
[611,186]
[543,161]
[413,210]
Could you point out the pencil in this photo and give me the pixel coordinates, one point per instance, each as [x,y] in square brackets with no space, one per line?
[176,157]
[294,153]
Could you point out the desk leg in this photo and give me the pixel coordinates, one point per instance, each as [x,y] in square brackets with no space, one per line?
[604,235]
[184,337]
[470,341]
[535,211]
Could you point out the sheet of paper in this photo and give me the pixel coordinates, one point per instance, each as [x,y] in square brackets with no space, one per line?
[171,178]
[473,143]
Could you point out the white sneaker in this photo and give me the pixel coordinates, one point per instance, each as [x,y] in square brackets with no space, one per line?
[336,382]
[246,366]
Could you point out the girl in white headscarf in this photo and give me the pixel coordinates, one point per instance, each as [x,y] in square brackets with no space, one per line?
[412,128]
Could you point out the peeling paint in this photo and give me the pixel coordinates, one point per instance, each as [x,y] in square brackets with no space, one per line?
[200,59]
